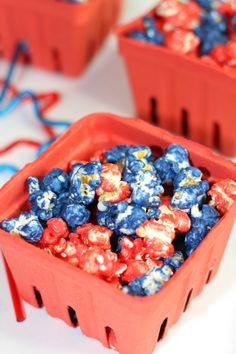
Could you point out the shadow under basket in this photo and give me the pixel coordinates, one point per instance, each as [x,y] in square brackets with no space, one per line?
[190,96]
[61,36]
[132,325]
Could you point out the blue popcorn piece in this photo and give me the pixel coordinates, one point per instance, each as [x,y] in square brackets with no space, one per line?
[174,261]
[56,181]
[150,283]
[138,35]
[75,215]
[214,21]
[201,222]
[138,152]
[207,215]
[211,40]
[33,185]
[84,179]
[42,202]
[178,154]
[27,226]
[116,153]
[186,197]
[150,34]
[142,177]
[174,159]
[206,4]
[81,193]
[62,201]
[212,31]
[166,169]
[151,31]
[188,176]
[122,217]
[147,189]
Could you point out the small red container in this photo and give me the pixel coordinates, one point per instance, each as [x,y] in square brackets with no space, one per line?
[191,96]
[61,36]
[131,324]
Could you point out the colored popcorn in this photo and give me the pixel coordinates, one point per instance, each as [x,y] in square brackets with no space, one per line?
[201,222]
[193,27]
[118,216]
[223,194]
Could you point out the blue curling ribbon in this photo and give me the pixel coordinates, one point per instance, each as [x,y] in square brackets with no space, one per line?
[22,48]
[6,167]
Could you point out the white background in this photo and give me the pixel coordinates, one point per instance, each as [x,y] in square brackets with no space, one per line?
[209,324]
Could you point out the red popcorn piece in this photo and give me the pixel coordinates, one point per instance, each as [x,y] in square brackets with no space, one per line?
[59,247]
[182,41]
[182,221]
[223,194]
[47,239]
[157,248]
[187,18]
[161,230]
[225,54]
[220,54]
[122,192]
[231,50]
[57,227]
[135,268]
[70,253]
[112,189]
[227,8]
[73,251]
[167,8]
[95,235]
[98,262]
[132,249]
[111,177]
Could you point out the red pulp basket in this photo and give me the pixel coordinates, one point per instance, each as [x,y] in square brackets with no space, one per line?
[131,324]
[61,36]
[188,95]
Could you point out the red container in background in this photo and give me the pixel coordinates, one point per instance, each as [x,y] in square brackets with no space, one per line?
[191,96]
[131,324]
[61,36]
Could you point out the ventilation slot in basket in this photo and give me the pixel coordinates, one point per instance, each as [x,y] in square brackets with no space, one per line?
[185,122]
[154,110]
[188,300]
[111,338]
[216,136]
[209,276]
[56,59]
[162,329]
[38,297]
[73,316]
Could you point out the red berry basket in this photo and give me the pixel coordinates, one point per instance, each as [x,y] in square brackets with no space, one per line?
[132,325]
[61,36]
[188,95]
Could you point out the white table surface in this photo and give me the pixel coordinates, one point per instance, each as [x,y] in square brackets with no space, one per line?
[209,324]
